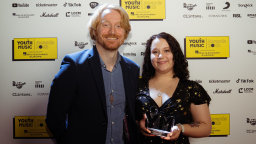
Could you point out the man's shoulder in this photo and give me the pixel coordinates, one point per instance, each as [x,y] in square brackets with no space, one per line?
[130,62]
[79,56]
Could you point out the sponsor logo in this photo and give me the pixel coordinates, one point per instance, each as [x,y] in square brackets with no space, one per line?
[210,6]
[26,122]
[44,44]
[142,53]
[25,44]
[22,15]
[72,5]
[189,6]
[227,6]
[21,94]
[18,85]
[129,54]
[251,131]
[129,43]
[250,51]
[251,121]
[251,42]
[251,15]
[192,16]
[218,15]
[218,120]
[219,81]
[144,43]
[49,15]
[20,5]
[245,81]
[46,5]
[81,45]
[73,14]
[132,4]
[42,94]
[245,90]
[198,81]
[218,91]
[237,16]
[245,5]
[38,84]
[93,5]
[90,14]
[195,43]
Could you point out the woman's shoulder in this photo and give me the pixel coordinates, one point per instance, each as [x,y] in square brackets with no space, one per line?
[142,86]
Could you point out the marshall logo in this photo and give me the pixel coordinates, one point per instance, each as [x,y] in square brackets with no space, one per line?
[217,91]
[189,6]
[81,45]
[19,85]
[251,121]
[49,15]
[245,90]
[245,81]
[93,5]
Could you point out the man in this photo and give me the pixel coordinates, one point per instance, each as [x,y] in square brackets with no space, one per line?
[96,88]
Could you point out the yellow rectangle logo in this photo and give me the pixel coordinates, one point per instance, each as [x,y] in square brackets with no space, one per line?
[220,124]
[144,9]
[207,47]
[35,49]
[31,127]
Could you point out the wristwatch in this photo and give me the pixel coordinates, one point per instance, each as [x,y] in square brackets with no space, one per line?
[182,127]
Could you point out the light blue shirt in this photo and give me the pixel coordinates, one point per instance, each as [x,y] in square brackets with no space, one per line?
[113,83]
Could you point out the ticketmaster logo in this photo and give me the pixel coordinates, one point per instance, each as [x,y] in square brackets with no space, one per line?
[219,81]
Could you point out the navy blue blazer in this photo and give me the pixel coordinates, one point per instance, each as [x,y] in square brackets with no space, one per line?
[77,91]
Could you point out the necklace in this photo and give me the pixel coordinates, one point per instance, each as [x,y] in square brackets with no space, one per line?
[159,93]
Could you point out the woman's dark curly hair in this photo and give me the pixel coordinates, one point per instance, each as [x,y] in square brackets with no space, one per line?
[180,63]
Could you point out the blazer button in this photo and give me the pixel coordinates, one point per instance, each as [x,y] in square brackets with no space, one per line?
[103,123]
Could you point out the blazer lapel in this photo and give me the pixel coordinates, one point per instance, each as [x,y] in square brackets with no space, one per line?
[127,79]
[97,73]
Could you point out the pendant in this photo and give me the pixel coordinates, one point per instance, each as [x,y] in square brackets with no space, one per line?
[159,94]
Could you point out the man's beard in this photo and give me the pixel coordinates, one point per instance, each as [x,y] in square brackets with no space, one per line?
[109,45]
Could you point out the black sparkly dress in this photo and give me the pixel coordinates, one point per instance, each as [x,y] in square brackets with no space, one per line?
[178,105]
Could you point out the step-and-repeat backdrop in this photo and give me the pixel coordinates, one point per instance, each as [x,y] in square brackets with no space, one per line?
[218,38]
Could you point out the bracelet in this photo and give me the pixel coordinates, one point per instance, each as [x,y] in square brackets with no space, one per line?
[182,127]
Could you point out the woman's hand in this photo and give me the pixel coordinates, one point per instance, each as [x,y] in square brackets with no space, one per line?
[175,133]
[142,128]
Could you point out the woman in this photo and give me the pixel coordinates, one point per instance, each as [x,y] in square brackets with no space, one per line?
[165,87]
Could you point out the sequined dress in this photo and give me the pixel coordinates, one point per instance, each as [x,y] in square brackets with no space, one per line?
[178,105]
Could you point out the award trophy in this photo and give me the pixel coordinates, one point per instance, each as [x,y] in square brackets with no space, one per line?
[158,123]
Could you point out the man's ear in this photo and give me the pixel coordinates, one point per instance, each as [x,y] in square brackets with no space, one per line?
[94,32]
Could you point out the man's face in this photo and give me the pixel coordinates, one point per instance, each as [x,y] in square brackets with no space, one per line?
[110,34]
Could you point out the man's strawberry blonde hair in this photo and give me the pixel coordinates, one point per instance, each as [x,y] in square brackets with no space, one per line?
[95,19]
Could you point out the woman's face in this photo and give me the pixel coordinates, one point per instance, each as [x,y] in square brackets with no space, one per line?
[161,56]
